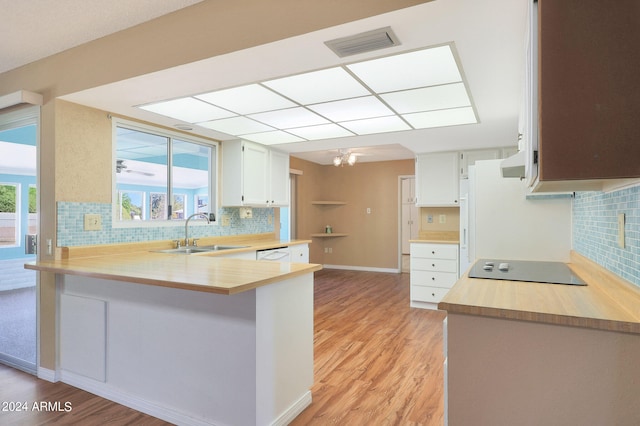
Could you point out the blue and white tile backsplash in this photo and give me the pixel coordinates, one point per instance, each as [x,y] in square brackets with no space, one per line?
[71,226]
[595,230]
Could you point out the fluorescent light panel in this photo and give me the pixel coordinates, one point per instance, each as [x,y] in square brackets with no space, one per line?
[247,99]
[425,87]
[190,110]
[319,86]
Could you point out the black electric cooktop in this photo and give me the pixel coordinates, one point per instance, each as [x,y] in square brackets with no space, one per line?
[524,270]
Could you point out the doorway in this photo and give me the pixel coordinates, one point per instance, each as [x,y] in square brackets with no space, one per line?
[18,218]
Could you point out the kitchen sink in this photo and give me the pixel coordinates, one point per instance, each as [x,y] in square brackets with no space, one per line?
[203,249]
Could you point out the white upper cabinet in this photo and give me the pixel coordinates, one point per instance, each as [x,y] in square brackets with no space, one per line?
[254,175]
[437,179]
[279,178]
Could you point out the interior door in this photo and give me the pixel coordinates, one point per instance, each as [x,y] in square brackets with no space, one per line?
[18,218]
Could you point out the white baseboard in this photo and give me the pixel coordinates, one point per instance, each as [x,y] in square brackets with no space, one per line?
[106,391]
[293,411]
[48,375]
[363,268]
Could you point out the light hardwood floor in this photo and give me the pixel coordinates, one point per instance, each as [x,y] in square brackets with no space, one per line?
[377,362]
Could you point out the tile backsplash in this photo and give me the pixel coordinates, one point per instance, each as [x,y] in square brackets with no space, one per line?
[595,230]
[71,226]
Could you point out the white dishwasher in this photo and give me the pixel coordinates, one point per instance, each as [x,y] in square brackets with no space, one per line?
[279,254]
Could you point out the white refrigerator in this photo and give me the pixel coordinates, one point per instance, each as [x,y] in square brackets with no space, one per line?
[500,219]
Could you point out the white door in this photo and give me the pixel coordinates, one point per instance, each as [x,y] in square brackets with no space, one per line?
[410,213]
[18,217]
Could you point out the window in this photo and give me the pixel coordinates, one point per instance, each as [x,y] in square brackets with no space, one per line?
[154,166]
[8,214]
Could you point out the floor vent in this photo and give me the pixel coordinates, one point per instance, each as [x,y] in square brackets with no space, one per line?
[363,42]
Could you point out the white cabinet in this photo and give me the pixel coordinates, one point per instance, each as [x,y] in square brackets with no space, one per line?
[278,178]
[254,175]
[434,270]
[299,253]
[437,179]
[410,213]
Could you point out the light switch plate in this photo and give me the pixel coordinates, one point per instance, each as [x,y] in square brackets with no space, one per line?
[92,222]
[225,220]
[621,230]
[246,212]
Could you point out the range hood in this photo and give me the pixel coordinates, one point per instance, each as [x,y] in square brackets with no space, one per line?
[513,167]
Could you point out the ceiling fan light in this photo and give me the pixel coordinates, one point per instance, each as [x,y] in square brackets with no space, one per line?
[337,160]
[352,159]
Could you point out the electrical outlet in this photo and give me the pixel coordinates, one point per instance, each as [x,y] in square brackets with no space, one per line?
[225,220]
[246,212]
[92,222]
[621,230]
[430,219]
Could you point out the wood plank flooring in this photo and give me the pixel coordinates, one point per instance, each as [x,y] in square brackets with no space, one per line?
[377,362]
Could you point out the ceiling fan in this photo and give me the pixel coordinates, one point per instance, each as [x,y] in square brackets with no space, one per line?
[121,166]
[345,156]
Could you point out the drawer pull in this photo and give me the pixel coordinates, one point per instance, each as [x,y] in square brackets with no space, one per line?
[433,278]
[433,252]
[433,264]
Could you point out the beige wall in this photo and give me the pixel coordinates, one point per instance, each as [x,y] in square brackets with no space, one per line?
[372,240]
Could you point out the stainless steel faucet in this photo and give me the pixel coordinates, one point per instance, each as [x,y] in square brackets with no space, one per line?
[186,226]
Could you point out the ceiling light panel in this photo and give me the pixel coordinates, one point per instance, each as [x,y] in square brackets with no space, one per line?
[190,110]
[352,109]
[236,126]
[441,118]
[319,86]
[429,67]
[428,98]
[273,138]
[289,118]
[323,131]
[247,99]
[376,125]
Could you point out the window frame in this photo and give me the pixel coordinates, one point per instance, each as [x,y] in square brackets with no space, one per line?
[213,192]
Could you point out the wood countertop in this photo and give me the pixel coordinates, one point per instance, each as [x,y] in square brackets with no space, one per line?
[607,302]
[206,272]
[438,237]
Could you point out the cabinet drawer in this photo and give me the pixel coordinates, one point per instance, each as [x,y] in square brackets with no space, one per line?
[428,294]
[434,279]
[438,251]
[438,265]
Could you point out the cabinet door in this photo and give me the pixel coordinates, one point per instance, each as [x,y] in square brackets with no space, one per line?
[255,174]
[299,253]
[588,90]
[279,178]
[437,180]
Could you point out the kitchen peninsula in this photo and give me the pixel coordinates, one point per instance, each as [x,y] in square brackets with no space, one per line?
[192,339]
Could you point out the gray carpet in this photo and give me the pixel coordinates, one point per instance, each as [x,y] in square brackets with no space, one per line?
[17,311]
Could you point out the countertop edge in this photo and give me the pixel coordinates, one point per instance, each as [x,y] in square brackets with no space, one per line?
[137,279]
[608,288]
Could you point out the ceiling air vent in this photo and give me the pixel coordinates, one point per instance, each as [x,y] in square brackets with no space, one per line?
[363,42]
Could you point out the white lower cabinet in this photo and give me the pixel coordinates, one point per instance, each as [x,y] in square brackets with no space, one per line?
[299,253]
[434,270]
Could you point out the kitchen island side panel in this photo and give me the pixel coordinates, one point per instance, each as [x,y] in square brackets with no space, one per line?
[191,357]
[514,372]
